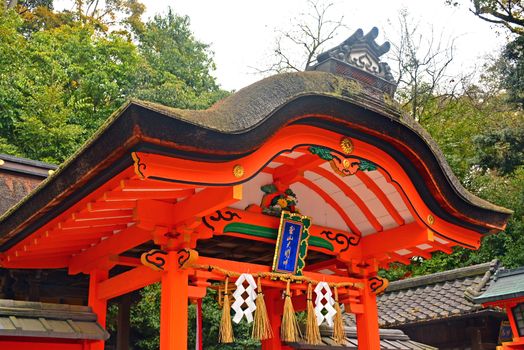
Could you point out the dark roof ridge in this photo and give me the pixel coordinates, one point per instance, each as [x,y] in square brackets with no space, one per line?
[509,272]
[28,161]
[434,278]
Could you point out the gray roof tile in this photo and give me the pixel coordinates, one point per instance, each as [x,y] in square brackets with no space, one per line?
[32,319]
[437,296]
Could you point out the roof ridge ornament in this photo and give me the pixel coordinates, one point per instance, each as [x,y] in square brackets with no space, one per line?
[358,57]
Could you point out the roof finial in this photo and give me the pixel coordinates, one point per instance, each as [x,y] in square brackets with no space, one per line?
[357,57]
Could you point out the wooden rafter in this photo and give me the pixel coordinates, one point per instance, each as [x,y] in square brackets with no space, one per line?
[351,195]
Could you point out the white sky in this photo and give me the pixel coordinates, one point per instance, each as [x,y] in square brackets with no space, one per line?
[242,33]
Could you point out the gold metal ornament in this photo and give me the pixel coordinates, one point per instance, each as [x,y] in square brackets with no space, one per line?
[431,219]
[238,171]
[346,145]
[346,163]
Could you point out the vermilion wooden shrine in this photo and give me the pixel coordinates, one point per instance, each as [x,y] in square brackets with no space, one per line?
[189,183]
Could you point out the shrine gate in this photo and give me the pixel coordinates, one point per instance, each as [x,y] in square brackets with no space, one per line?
[192,198]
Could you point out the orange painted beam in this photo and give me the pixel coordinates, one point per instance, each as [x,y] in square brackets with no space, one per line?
[86,215]
[101,205]
[200,204]
[61,232]
[442,247]
[290,172]
[377,191]
[340,244]
[135,279]
[351,195]
[419,252]
[394,239]
[51,262]
[114,245]
[242,267]
[151,185]
[73,225]
[137,195]
[128,281]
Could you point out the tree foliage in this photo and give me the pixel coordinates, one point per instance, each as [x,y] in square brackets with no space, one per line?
[63,73]
[145,321]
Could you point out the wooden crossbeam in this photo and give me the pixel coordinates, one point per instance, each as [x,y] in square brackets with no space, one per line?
[74,225]
[114,245]
[389,241]
[137,278]
[152,185]
[101,206]
[442,247]
[242,267]
[200,204]
[290,172]
[87,215]
[145,194]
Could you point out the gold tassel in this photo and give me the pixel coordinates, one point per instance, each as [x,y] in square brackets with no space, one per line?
[312,330]
[261,326]
[225,332]
[339,332]
[289,331]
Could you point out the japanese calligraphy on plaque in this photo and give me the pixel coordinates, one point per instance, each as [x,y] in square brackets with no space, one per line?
[292,243]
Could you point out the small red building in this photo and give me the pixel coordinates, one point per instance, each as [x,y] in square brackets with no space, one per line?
[507,292]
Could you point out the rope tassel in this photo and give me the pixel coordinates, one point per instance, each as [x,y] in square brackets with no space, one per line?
[225,332]
[312,330]
[289,331]
[261,326]
[339,332]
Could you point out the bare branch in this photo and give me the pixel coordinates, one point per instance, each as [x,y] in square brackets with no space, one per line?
[296,48]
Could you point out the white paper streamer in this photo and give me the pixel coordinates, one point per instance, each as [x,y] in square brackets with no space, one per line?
[249,300]
[323,292]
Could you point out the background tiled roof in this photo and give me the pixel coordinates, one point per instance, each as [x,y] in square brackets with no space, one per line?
[390,339]
[506,284]
[44,320]
[437,296]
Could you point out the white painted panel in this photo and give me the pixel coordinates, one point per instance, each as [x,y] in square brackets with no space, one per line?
[365,228]
[374,174]
[355,214]
[406,215]
[440,240]
[328,186]
[311,204]
[424,246]
[311,176]
[387,222]
[403,252]
[251,192]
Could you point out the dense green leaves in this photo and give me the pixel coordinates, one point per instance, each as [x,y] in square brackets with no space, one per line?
[62,74]
[145,321]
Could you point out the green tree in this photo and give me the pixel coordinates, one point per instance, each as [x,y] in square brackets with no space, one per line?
[145,321]
[177,67]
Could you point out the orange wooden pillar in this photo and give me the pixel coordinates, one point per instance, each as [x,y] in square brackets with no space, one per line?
[99,306]
[173,306]
[367,322]
[275,307]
